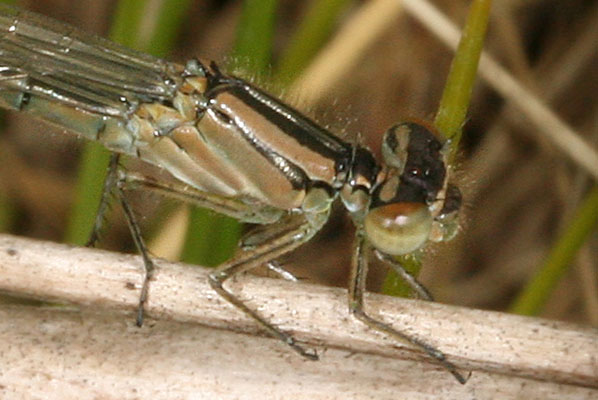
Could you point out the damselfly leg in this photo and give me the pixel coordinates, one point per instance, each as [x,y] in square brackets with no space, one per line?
[291,233]
[359,270]
[148,264]
[118,181]
[114,185]
[263,246]
[280,271]
[110,182]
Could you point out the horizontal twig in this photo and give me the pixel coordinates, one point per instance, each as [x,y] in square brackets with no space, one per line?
[57,351]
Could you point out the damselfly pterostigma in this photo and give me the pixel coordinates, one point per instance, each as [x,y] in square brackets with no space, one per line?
[235,149]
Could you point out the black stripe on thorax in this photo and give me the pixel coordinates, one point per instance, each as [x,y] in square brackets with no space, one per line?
[293,173]
[290,121]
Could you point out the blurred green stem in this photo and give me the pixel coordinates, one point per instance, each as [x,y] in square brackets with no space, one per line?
[533,297]
[88,190]
[255,33]
[7,213]
[452,110]
[312,33]
[456,97]
[393,284]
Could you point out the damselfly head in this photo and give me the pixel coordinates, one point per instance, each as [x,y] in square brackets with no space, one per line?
[407,206]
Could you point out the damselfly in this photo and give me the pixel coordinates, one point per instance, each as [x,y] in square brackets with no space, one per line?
[234,149]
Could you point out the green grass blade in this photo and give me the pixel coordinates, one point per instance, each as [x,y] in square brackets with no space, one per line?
[255,33]
[168,23]
[312,33]
[211,238]
[393,284]
[7,213]
[126,22]
[533,297]
[156,36]
[452,110]
[88,190]
[456,97]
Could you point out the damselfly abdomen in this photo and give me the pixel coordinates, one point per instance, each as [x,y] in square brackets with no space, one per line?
[234,149]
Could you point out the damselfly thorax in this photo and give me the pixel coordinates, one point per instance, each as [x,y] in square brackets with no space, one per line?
[235,149]
[227,137]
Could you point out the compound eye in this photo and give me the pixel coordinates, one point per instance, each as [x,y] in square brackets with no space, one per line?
[398,228]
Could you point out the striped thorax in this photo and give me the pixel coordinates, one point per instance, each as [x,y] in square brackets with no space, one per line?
[225,136]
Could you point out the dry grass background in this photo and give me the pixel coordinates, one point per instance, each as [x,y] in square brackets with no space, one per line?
[519,189]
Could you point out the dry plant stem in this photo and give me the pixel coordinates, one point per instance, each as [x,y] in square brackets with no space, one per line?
[169,241]
[76,355]
[489,343]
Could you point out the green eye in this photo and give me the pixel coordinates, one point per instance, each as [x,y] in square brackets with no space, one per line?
[398,228]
